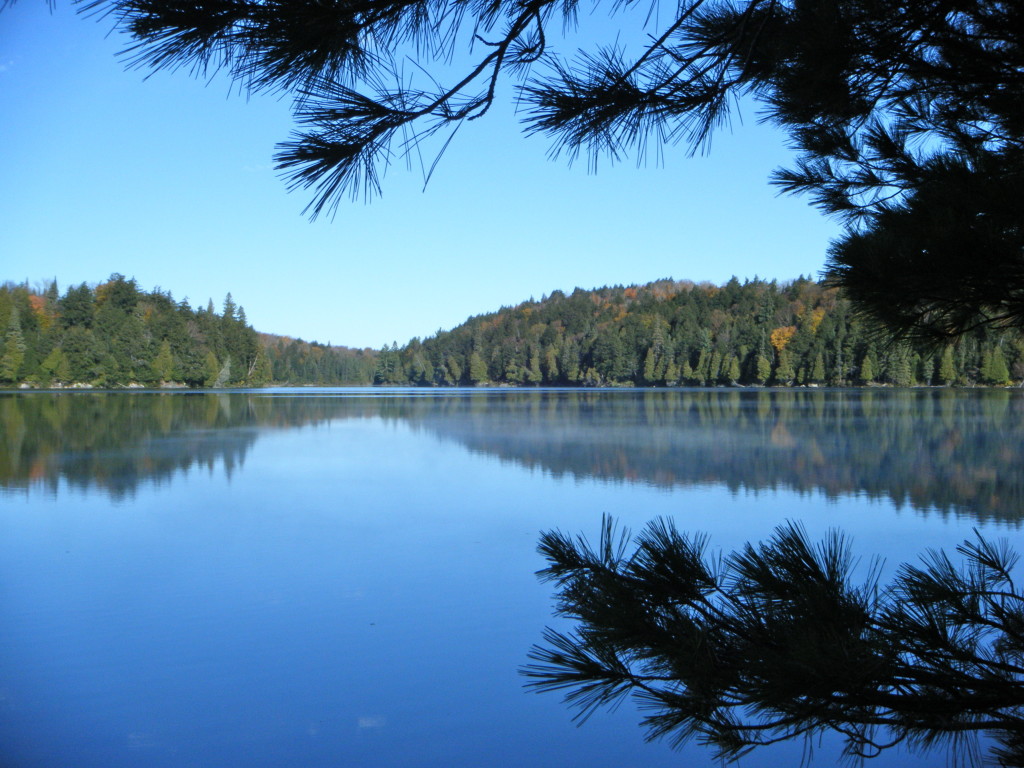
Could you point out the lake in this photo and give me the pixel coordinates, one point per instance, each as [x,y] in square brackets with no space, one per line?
[346,577]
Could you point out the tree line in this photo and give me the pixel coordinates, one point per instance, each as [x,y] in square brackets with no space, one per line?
[114,335]
[677,333]
[664,333]
[298,362]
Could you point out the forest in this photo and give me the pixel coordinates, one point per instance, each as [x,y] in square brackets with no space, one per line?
[664,333]
[116,335]
[678,333]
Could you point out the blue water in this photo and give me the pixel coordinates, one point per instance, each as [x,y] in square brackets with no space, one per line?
[346,578]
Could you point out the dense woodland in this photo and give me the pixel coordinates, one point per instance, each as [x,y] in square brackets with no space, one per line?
[116,335]
[670,333]
[665,333]
[298,362]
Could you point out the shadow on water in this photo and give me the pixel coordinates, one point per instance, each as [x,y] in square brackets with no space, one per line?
[944,451]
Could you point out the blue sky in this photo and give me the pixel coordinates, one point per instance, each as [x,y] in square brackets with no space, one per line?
[170,180]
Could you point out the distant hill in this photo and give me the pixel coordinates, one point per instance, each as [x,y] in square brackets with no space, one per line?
[114,334]
[677,333]
[297,362]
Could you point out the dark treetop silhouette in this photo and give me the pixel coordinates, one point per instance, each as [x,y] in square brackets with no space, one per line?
[908,118]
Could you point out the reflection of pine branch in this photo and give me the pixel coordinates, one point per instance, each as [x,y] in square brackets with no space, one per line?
[775,641]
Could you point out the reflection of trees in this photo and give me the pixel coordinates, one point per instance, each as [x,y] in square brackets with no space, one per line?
[116,440]
[953,451]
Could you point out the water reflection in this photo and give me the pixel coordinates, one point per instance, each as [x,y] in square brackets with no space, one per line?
[953,452]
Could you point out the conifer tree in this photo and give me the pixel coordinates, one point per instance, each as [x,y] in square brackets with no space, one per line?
[867,368]
[702,371]
[731,369]
[784,372]
[550,365]
[818,369]
[13,350]
[996,371]
[477,368]
[686,372]
[163,363]
[671,377]
[714,367]
[262,373]
[570,362]
[229,307]
[211,369]
[55,366]
[947,367]
[534,375]
[763,369]
[455,368]
[900,371]
[650,367]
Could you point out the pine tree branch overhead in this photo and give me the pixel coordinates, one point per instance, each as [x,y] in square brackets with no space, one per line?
[892,108]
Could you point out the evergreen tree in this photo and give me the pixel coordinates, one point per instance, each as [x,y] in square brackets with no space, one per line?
[686,372]
[715,367]
[650,367]
[387,365]
[550,366]
[947,367]
[534,375]
[995,372]
[570,361]
[229,308]
[671,373]
[900,370]
[262,373]
[163,363]
[731,369]
[818,369]
[702,370]
[784,373]
[455,368]
[76,307]
[211,369]
[55,367]
[83,354]
[477,368]
[763,369]
[14,350]
[868,367]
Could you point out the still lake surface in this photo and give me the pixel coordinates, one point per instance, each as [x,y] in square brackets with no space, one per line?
[346,577]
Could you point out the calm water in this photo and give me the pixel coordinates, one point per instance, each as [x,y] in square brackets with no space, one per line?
[345,578]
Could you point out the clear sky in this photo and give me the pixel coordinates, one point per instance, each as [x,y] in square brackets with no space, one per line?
[170,180]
